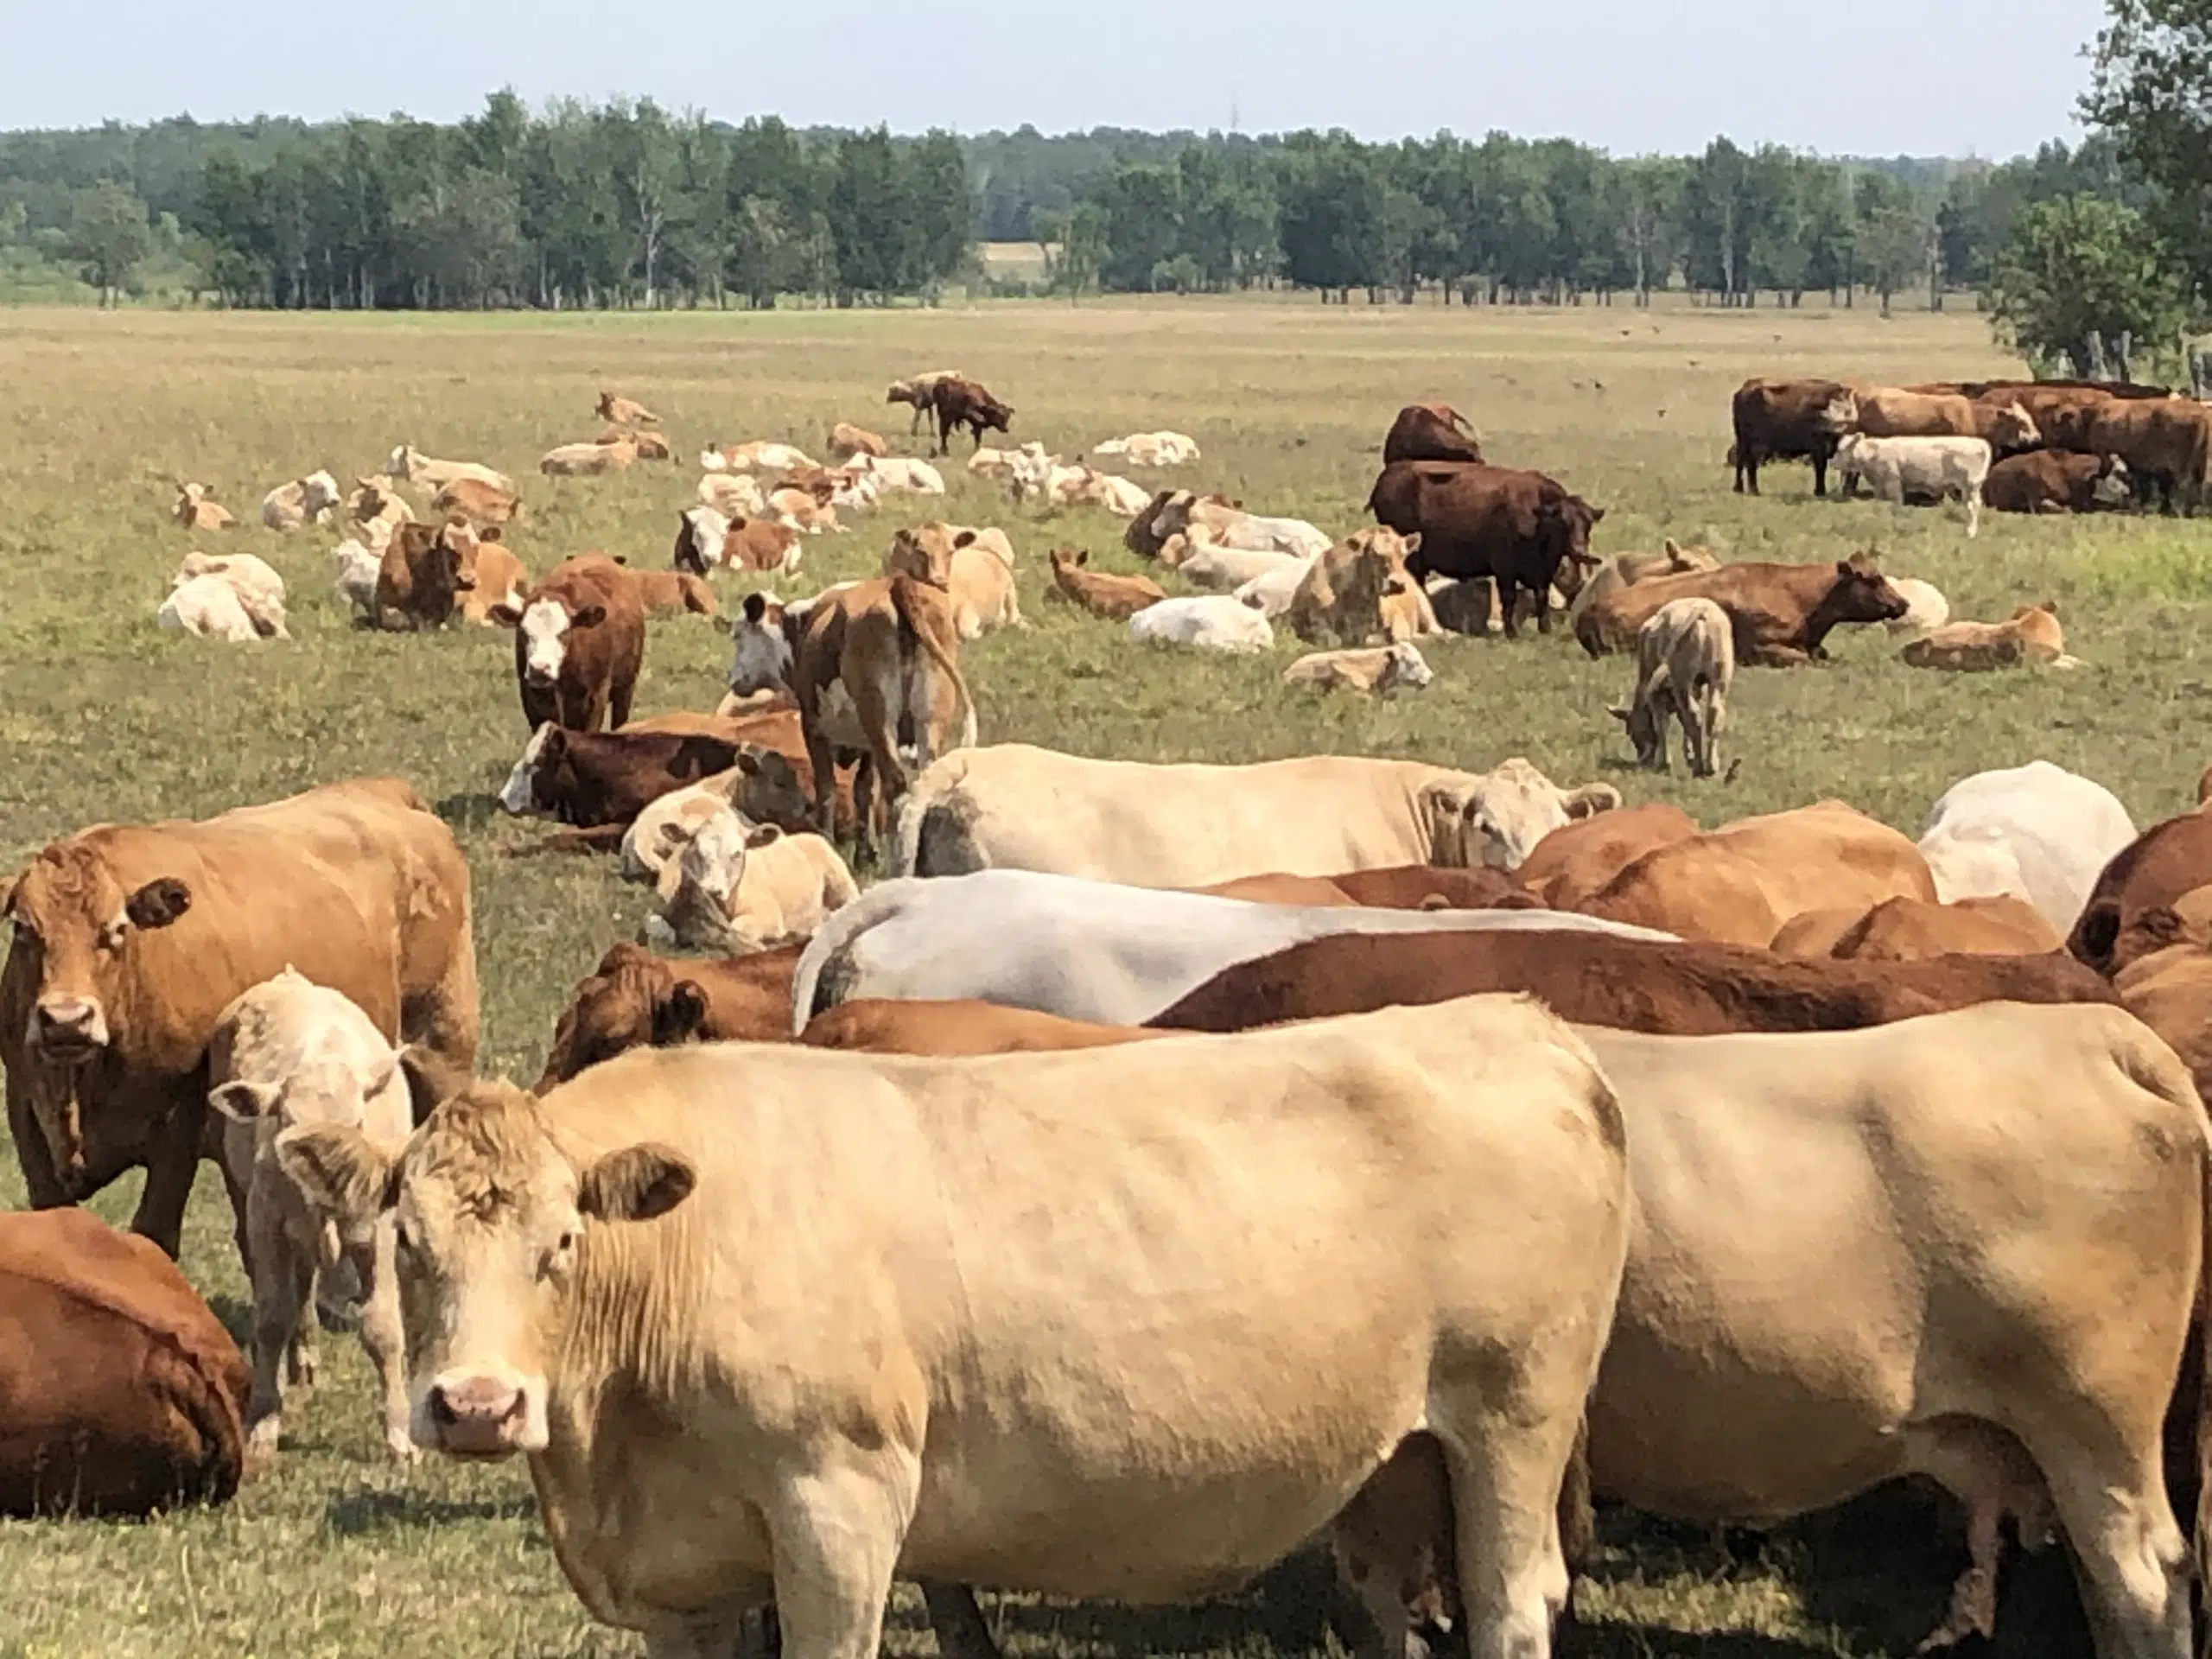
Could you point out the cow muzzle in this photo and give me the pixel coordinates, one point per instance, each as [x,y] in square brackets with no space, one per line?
[68,1030]
[476,1416]
[539,678]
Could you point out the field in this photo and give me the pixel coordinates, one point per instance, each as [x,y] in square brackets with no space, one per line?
[107,717]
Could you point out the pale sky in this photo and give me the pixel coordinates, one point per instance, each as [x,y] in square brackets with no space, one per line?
[1991,77]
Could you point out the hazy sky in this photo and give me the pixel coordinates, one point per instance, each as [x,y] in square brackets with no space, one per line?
[1872,77]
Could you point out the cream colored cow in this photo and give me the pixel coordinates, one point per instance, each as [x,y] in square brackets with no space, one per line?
[742,887]
[588,460]
[981,563]
[1377,670]
[303,501]
[409,464]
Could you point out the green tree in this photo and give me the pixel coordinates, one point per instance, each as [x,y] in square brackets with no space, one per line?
[2080,265]
[1076,250]
[108,237]
[2150,89]
[867,216]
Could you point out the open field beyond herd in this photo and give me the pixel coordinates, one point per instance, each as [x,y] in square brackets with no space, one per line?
[108,717]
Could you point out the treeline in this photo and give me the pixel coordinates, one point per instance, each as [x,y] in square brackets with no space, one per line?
[624,204]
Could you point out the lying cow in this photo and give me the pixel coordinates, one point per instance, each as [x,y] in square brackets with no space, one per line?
[1214,519]
[1626,569]
[1379,669]
[478,502]
[1913,930]
[847,440]
[1223,570]
[979,572]
[2031,636]
[213,607]
[1150,448]
[2036,832]
[588,460]
[606,779]
[1403,886]
[195,510]
[1780,614]
[1578,859]
[1925,609]
[425,571]
[1685,663]
[1213,622]
[742,887]
[1897,469]
[412,466]
[304,500]
[619,410]
[2057,480]
[1013,806]
[1117,598]
[708,540]
[1341,594]
[734,495]
[636,1000]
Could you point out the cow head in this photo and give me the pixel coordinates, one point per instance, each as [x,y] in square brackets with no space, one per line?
[702,533]
[2011,430]
[1563,526]
[1404,667]
[1495,820]
[1860,593]
[633,999]
[541,636]
[712,863]
[492,1216]
[540,756]
[760,656]
[1839,414]
[923,552]
[74,927]
[2114,488]
[318,494]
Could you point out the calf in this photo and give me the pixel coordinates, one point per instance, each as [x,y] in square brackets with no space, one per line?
[1928,468]
[495,598]
[593,779]
[425,571]
[735,495]
[195,511]
[1626,569]
[478,502]
[2032,635]
[1150,448]
[285,1052]
[763,787]
[587,460]
[579,645]
[705,541]
[304,500]
[623,411]
[981,572]
[636,1000]
[1341,594]
[2056,480]
[649,446]
[1685,663]
[1117,598]
[847,440]
[900,473]
[1214,518]
[377,501]
[259,586]
[801,510]
[1780,614]
[742,887]
[959,402]
[1215,622]
[1926,609]
[1380,670]
[917,392]
[1209,564]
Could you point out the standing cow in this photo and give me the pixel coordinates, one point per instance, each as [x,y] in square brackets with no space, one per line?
[1526,532]
[1789,420]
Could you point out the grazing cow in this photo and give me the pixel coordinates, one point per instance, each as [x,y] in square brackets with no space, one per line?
[579,645]
[1739,884]
[1626,569]
[735,495]
[1789,420]
[2056,480]
[1912,930]
[304,500]
[425,571]
[1685,663]
[1925,608]
[741,888]
[1083,950]
[1578,859]
[2167,980]
[1670,989]
[1780,614]
[1501,1114]
[2167,445]
[606,779]
[1117,598]
[866,662]
[1891,412]
[1150,448]
[1212,622]
[1342,592]
[411,466]
[882,1026]
[1431,432]
[1378,669]
[1013,806]
[980,567]
[2157,868]
[195,511]
[918,393]
[214,607]
[130,940]
[588,460]
[2037,832]
[618,411]
[480,503]
[847,440]
[124,1390]
[1918,468]
[1214,519]
[756,455]
[377,499]
[1524,531]
[2032,635]
[959,402]
[285,1052]
[636,1000]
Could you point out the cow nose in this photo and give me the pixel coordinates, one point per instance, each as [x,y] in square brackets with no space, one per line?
[69,1022]
[537,676]
[476,1414]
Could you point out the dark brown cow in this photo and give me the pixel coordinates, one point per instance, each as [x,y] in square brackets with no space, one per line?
[2055,480]
[777,728]
[1789,420]
[882,1026]
[1780,613]
[604,779]
[2155,870]
[634,999]
[966,402]
[579,645]
[1674,990]
[1526,532]
[120,1392]
[1431,432]
[130,940]
[1578,859]
[425,571]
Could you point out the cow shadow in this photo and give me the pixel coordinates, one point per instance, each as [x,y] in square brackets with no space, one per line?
[363,1513]
[475,809]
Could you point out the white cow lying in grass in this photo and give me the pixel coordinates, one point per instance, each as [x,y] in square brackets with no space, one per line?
[1927,610]
[742,887]
[1213,519]
[1152,448]
[899,473]
[312,499]
[217,602]
[1271,592]
[1212,622]
[760,455]
[411,464]
[1207,564]
[1932,468]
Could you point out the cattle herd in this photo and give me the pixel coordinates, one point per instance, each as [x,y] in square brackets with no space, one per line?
[1159,1165]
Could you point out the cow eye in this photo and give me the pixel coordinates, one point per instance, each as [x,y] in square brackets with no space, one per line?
[558,1257]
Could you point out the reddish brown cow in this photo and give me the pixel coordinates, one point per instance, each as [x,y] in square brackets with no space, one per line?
[123,1391]
[881,1025]
[1780,613]
[2055,480]
[1431,432]
[1526,532]
[1577,859]
[777,729]
[634,999]
[1913,930]
[2155,870]
[2167,445]
[579,645]
[1789,420]
[424,570]
[605,779]
[958,403]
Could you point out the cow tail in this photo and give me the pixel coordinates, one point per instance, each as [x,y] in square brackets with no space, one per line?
[921,626]
[825,972]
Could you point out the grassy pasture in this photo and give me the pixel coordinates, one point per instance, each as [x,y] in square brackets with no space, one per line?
[107,717]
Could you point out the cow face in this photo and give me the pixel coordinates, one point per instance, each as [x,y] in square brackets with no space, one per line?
[760,659]
[701,533]
[318,494]
[924,553]
[2113,489]
[74,925]
[713,862]
[626,1004]
[1404,667]
[2010,428]
[543,634]
[1495,821]
[520,796]
[1862,594]
[491,1216]
[1563,528]
[1839,414]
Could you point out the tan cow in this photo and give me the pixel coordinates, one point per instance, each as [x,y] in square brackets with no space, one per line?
[802,511]
[1377,670]
[1342,593]
[847,440]
[649,446]
[1891,412]
[1913,930]
[1578,859]
[194,511]
[1013,806]
[980,566]
[618,411]
[1028,1421]
[2031,636]
[2166,981]
[1685,663]
[587,460]
[739,887]
[479,502]
[1117,598]
[413,466]
[502,582]
[376,500]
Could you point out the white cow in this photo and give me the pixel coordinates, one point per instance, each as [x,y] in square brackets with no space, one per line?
[1896,467]
[1213,622]
[354,571]
[1207,564]
[1123,497]
[742,887]
[1211,519]
[1087,950]
[760,455]
[411,464]
[1685,663]
[1927,610]
[213,608]
[2037,832]
[734,495]
[312,499]
[259,585]
[1270,592]
[899,473]
[1012,806]
[1152,448]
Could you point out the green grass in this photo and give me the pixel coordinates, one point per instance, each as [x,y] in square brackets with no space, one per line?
[107,717]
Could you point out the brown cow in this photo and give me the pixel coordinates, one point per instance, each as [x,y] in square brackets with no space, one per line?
[958,403]
[619,410]
[194,511]
[604,779]
[1578,859]
[124,1392]
[1674,990]
[1102,592]
[1526,532]
[2031,634]
[634,999]
[1893,412]
[1912,930]
[1399,886]
[882,1026]
[2063,411]
[776,728]
[478,502]
[1789,420]
[1739,884]
[579,645]
[2167,445]
[2167,980]
[131,939]
[1780,613]
[425,571]
[2055,480]
[1431,432]
[647,446]
[2156,868]
[847,440]
[670,593]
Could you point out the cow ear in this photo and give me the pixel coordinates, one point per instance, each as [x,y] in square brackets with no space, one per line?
[761,835]
[244,1101]
[756,606]
[339,1169]
[555,744]
[1412,543]
[431,1079]
[1846,568]
[1620,714]
[963,538]
[1592,799]
[636,1183]
[589,617]
[1596,513]
[682,1016]
[158,903]
[490,533]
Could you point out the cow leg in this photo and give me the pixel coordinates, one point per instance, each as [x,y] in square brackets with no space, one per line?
[824,759]
[1508,598]
[2129,1554]
[958,1624]
[383,1339]
[41,1183]
[835,1529]
[283,1279]
[1504,1483]
[1696,742]
[619,697]
[172,1162]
